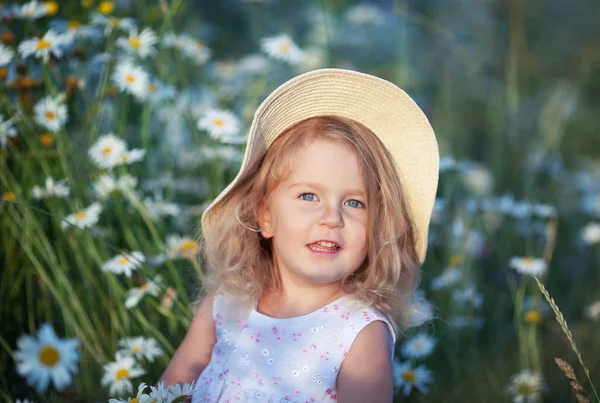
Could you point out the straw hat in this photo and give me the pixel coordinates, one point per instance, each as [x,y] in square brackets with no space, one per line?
[376,103]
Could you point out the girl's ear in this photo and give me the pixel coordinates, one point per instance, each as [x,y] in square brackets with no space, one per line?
[264,222]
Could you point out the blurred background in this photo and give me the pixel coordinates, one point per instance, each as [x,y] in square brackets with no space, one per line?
[120,121]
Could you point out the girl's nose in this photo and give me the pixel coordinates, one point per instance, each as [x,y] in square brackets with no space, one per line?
[332,217]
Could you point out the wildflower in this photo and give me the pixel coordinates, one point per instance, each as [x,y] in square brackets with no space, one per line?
[50,43]
[47,358]
[533,316]
[591,233]
[132,79]
[528,266]
[6,130]
[30,11]
[478,180]
[219,123]
[53,189]
[106,7]
[84,218]
[178,246]
[51,113]
[141,44]
[110,23]
[140,347]
[131,156]
[188,46]
[106,184]
[51,7]
[544,210]
[118,374]
[46,139]
[468,294]
[449,277]
[406,377]
[252,64]
[9,197]
[159,208]
[525,386]
[177,391]
[140,394]
[124,263]
[134,295]
[593,311]
[281,47]
[160,393]
[107,151]
[365,15]
[418,346]
[6,55]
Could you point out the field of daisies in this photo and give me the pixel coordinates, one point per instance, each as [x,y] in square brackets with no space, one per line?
[120,121]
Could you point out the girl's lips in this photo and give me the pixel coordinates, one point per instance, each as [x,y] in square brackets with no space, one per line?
[322,251]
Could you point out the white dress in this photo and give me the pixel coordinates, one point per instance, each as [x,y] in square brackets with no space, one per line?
[258,358]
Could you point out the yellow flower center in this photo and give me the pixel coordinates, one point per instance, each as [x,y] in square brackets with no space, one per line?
[524,389]
[49,115]
[533,317]
[51,7]
[143,287]
[80,215]
[134,42]
[409,376]
[284,48]
[527,260]
[106,150]
[121,374]
[43,44]
[72,24]
[46,139]
[135,400]
[49,355]
[135,349]
[106,7]
[188,244]
[9,196]
[455,260]
[123,260]
[219,122]
[130,78]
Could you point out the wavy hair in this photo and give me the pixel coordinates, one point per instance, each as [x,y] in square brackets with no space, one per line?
[239,259]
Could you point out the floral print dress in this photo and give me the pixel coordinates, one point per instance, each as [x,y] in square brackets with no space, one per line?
[258,358]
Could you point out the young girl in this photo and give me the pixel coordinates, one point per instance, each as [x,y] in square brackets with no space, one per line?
[314,249]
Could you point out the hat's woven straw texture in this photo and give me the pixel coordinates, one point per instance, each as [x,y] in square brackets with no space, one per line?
[379,105]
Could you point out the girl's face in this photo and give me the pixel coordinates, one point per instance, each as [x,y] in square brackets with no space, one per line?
[322,199]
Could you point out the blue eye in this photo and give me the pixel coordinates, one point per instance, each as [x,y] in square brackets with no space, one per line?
[307,194]
[358,203]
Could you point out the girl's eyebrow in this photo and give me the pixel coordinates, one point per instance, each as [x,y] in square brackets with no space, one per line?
[358,192]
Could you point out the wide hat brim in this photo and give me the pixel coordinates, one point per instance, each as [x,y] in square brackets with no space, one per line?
[376,103]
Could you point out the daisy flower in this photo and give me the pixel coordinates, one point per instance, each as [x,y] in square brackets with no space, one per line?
[364,14]
[141,44]
[178,246]
[159,393]
[421,310]
[591,233]
[52,189]
[131,156]
[110,23]
[140,347]
[419,346]
[107,151]
[468,294]
[177,391]
[219,124]
[478,180]
[132,79]
[528,266]
[134,295]
[252,64]
[124,263]
[281,47]
[106,184]
[41,48]
[525,387]
[593,311]
[6,129]
[31,10]
[47,358]
[449,277]
[188,46]
[139,396]
[159,208]
[6,55]
[51,113]
[118,374]
[406,377]
[84,218]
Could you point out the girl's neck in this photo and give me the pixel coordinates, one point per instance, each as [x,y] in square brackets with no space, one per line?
[285,305]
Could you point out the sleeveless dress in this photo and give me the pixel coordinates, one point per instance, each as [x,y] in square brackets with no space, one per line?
[258,358]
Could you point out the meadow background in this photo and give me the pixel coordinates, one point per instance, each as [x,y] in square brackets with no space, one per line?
[120,121]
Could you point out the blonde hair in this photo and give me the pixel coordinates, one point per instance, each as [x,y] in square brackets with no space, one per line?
[239,259]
